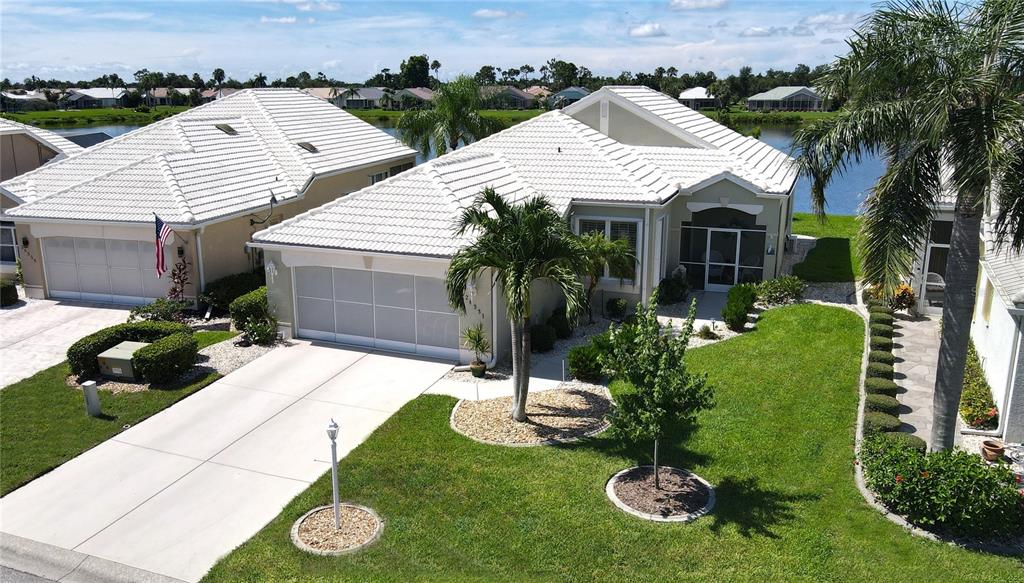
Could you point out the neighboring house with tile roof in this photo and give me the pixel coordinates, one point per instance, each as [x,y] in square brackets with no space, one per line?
[210,172]
[91,98]
[506,97]
[787,98]
[538,91]
[414,97]
[166,95]
[629,162]
[567,97]
[696,98]
[23,148]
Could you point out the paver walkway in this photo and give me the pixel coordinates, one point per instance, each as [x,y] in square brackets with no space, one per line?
[916,348]
[36,334]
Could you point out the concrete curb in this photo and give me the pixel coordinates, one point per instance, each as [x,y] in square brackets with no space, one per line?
[593,432]
[59,564]
[304,547]
[609,489]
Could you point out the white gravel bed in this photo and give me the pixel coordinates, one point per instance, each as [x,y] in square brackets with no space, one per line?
[227,356]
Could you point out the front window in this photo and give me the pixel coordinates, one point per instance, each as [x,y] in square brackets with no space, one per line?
[615,230]
[379,176]
[8,244]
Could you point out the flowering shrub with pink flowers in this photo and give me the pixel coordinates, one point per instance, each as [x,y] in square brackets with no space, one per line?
[949,492]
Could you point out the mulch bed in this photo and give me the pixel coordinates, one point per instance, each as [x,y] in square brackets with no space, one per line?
[683,495]
[570,412]
[316,531]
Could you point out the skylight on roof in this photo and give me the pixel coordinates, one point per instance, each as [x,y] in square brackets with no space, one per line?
[227,129]
[308,147]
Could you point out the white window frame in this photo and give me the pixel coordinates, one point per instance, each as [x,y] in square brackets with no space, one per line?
[607,279]
[5,226]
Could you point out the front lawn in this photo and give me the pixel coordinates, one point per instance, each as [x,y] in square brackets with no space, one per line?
[43,421]
[778,448]
[835,257]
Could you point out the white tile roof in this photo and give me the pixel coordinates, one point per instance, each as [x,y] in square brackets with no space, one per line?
[97,92]
[695,93]
[190,172]
[1006,268]
[47,138]
[553,155]
[774,167]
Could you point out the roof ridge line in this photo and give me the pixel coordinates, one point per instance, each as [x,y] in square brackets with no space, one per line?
[172,183]
[277,129]
[274,160]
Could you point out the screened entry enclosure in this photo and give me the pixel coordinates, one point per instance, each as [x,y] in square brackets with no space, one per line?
[390,311]
[722,247]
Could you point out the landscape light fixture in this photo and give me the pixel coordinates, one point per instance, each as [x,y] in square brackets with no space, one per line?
[332,433]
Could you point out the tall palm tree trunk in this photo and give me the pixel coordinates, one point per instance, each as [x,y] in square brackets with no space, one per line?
[523,386]
[957,312]
[517,363]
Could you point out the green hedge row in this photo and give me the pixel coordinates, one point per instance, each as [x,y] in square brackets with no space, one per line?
[167,358]
[82,354]
[250,305]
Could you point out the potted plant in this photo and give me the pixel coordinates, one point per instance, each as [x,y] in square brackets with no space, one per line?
[474,339]
[992,450]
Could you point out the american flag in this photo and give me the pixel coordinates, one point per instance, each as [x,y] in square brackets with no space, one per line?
[163,233]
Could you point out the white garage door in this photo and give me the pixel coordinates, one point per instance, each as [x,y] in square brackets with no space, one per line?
[392,311]
[103,270]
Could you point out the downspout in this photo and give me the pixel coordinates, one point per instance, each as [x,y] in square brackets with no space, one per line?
[199,259]
[1008,393]
[494,325]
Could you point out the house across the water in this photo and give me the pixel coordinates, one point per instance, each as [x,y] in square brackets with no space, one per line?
[790,98]
[696,98]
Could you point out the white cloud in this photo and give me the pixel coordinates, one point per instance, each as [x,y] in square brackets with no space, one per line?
[833,21]
[122,15]
[830,41]
[491,13]
[647,30]
[278,19]
[765,31]
[318,7]
[15,8]
[697,4]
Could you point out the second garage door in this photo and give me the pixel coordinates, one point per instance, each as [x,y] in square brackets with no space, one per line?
[102,270]
[392,311]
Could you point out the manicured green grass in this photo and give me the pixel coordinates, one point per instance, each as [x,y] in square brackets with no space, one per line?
[835,257]
[43,421]
[209,337]
[101,116]
[778,448]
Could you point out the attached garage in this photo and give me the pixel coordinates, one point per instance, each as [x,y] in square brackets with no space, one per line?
[102,270]
[390,311]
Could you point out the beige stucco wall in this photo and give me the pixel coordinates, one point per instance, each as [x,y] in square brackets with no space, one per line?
[19,154]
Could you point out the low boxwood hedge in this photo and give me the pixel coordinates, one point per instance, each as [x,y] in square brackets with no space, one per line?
[883,356]
[82,354]
[899,439]
[882,404]
[881,330]
[167,358]
[879,370]
[877,386]
[880,310]
[881,343]
[251,305]
[875,422]
[881,318]
[585,363]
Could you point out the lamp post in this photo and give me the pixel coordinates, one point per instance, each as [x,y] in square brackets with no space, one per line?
[332,433]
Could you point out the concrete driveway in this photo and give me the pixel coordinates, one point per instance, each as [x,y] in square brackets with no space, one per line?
[36,334]
[173,494]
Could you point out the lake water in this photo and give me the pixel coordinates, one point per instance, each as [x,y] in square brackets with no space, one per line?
[844,195]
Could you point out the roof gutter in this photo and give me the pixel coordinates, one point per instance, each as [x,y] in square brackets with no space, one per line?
[343,251]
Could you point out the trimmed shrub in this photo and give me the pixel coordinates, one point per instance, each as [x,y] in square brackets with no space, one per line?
[882,404]
[735,315]
[880,370]
[602,343]
[616,308]
[744,295]
[220,293]
[8,293]
[251,306]
[899,439]
[950,491]
[881,330]
[673,289]
[560,323]
[881,318]
[542,338]
[877,386]
[706,333]
[781,290]
[167,358]
[82,354]
[881,343]
[976,404]
[260,330]
[585,363]
[882,356]
[875,422]
[161,310]
[880,310]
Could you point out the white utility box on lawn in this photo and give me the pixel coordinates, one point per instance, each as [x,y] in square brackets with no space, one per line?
[116,362]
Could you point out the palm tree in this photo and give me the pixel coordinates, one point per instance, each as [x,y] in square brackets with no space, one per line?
[599,252]
[435,66]
[936,88]
[519,244]
[454,118]
[260,80]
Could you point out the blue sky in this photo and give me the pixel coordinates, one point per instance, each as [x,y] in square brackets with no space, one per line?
[352,40]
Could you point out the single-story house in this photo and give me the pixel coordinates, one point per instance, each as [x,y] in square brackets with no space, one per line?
[94,97]
[696,98]
[24,101]
[414,97]
[363,98]
[331,95]
[507,97]
[630,162]
[165,95]
[215,173]
[209,95]
[23,148]
[567,96]
[788,98]
[538,91]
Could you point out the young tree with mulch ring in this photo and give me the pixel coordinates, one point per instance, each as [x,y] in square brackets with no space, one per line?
[651,359]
